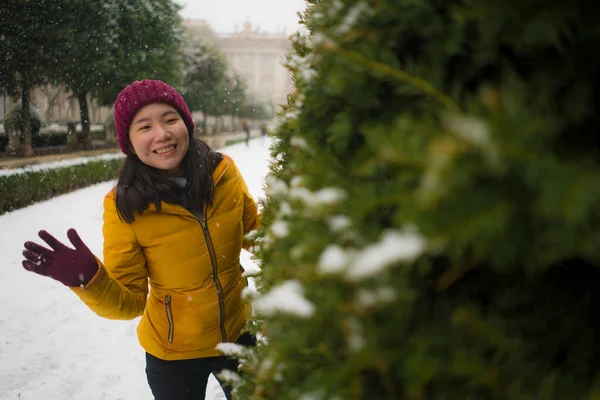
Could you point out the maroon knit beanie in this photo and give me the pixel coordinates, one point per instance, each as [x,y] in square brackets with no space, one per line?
[140,94]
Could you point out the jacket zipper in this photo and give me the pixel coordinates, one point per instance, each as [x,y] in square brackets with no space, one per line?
[215,274]
[169,317]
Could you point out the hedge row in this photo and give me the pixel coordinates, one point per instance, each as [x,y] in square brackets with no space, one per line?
[46,140]
[21,190]
[51,139]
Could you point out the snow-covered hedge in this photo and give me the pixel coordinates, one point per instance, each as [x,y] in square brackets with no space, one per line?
[32,185]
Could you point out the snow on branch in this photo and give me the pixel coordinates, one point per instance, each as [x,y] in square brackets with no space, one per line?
[286,298]
[394,247]
[375,258]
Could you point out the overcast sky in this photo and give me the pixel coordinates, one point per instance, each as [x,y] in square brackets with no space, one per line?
[227,16]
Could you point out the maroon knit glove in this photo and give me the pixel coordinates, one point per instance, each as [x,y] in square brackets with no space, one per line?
[70,267]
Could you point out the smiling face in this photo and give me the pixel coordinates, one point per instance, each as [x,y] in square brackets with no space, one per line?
[159,137]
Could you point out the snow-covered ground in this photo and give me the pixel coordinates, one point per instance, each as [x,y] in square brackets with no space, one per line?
[52,346]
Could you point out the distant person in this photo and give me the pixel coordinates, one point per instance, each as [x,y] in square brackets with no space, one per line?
[263,130]
[174,227]
[246,129]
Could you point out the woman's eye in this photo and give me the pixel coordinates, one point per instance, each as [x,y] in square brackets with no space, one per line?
[172,120]
[145,127]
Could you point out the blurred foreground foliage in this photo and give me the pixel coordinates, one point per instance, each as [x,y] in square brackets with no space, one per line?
[432,228]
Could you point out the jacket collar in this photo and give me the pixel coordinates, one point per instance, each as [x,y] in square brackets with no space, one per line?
[217,174]
[220,171]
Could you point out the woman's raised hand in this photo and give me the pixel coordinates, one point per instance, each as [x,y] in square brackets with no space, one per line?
[71,267]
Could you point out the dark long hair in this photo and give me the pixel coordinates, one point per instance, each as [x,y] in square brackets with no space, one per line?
[140,185]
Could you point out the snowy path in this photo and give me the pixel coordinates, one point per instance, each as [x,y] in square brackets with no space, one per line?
[52,346]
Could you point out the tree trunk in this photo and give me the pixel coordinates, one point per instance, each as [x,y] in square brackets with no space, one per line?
[84,113]
[111,134]
[14,141]
[14,146]
[72,140]
[27,148]
[204,121]
[220,124]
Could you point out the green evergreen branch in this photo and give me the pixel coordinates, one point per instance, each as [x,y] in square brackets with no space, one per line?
[385,69]
[451,276]
[387,382]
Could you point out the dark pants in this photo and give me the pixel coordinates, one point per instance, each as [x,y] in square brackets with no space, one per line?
[187,379]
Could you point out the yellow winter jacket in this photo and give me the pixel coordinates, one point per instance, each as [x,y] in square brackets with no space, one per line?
[191,263]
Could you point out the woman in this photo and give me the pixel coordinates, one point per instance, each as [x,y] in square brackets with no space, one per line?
[175,222]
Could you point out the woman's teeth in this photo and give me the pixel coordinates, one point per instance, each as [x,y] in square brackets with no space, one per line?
[164,149]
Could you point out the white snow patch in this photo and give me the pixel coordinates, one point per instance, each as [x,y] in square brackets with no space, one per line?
[299,101]
[338,223]
[231,349]
[333,260]
[319,39]
[229,376]
[248,292]
[280,229]
[336,7]
[394,247]
[308,74]
[299,142]
[325,196]
[284,209]
[469,128]
[295,61]
[329,196]
[292,114]
[288,298]
[275,186]
[353,15]
[252,235]
[297,181]
[302,194]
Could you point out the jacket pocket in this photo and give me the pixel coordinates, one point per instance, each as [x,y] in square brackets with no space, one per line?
[169,318]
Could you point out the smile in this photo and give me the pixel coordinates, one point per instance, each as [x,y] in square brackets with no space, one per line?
[165,150]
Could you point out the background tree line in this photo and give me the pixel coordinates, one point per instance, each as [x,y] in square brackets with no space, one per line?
[210,87]
[95,48]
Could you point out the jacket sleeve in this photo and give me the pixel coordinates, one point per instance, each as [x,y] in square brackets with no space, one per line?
[250,216]
[120,287]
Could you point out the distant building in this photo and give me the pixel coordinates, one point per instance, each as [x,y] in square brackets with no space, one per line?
[255,55]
